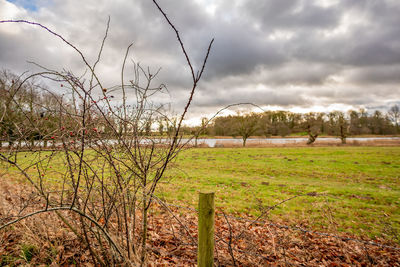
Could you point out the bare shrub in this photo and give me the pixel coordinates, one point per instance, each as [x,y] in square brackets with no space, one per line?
[111,164]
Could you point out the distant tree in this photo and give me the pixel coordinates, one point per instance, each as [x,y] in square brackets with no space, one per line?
[197,131]
[171,125]
[8,85]
[276,123]
[266,124]
[294,120]
[19,104]
[376,122]
[339,126]
[283,130]
[364,122]
[246,125]
[394,115]
[27,115]
[281,123]
[312,124]
[223,126]
[354,122]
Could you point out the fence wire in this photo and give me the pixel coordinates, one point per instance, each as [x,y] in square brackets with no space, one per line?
[282,226]
[288,227]
[280,245]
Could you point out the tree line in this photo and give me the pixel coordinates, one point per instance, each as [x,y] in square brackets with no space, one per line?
[32,115]
[31,112]
[36,103]
[312,124]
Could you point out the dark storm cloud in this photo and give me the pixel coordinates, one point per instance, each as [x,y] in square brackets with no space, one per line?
[383,75]
[291,14]
[267,96]
[240,50]
[287,52]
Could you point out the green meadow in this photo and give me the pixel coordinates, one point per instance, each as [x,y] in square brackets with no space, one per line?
[350,189]
[341,189]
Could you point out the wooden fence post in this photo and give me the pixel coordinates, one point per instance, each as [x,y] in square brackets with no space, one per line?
[205,249]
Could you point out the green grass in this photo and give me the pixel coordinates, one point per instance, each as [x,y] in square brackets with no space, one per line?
[28,251]
[358,188]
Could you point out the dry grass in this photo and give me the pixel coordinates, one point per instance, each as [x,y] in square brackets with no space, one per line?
[42,239]
[321,142]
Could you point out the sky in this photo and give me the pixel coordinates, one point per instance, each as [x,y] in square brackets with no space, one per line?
[298,55]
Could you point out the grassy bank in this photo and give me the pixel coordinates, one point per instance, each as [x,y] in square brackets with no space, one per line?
[357,188]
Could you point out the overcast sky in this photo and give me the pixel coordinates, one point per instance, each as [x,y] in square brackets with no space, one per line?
[298,55]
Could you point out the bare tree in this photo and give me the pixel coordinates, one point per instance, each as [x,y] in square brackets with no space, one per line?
[339,125]
[312,123]
[394,115]
[197,131]
[223,126]
[277,123]
[245,125]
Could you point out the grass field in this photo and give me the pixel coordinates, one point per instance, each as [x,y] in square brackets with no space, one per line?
[352,189]
[358,188]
